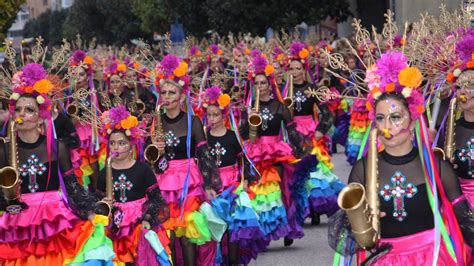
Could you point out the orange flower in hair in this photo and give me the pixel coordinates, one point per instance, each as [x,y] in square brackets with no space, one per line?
[29,89]
[43,86]
[88,60]
[269,69]
[303,53]
[410,77]
[390,87]
[121,67]
[223,100]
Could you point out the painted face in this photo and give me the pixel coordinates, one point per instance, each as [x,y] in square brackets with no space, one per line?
[393,122]
[27,111]
[297,70]
[262,84]
[119,145]
[351,63]
[130,78]
[171,96]
[214,116]
[278,72]
[465,90]
[80,76]
[116,85]
[216,65]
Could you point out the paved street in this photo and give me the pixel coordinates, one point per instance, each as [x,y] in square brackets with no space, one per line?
[313,249]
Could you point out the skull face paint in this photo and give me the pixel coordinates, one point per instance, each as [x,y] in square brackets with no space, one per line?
[393,121]
[465,90]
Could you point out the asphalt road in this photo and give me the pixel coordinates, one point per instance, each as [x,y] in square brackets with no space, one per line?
[313,249]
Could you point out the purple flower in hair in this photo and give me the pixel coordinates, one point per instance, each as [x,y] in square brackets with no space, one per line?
[193,50]
[465,46]
[118,114]
[214,48]
[213,93]
[33,73]
[389,65]
[169,64]
[295,48]
[259,63]
[255,53]
[78,56]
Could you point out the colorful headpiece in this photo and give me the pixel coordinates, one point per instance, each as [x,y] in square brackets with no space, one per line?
[240,48]
[260,66]
[174,70]
[465,53]
[392,74]
[194,51]
[214,96]
[115,67]
[32,80]
[299,51]
[214,51]
[118,118]
[278,55]
[80,58]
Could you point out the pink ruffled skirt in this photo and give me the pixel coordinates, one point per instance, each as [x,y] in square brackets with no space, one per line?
[229,175]
[467,186]
[416,249]
[129,213]
[305,125]
[268,148]
[171,182]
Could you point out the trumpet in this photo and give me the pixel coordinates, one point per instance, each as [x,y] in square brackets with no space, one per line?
[450,139]
[9,176]
[362,204]
[152,153]
[288,101]
[255,120]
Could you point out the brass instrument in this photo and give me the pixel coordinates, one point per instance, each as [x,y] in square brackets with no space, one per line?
[72,109]
[288,101]
[152,154]
[255,120]
[449,140]
[103,207]
[9,176]
[324,82]
[362,204]
[138,106]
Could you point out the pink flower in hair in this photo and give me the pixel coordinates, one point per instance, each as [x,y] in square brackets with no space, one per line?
[389,65]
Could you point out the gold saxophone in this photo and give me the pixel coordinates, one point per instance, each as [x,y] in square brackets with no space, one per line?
[288,101]
[152,154]
[104,207]
[362,204]
[255,120]
[449,139]
[72,109]
[9,176]
[139,104]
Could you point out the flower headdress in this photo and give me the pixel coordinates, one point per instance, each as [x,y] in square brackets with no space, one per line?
[214,96]
[392,74]
[260,66]
[194,51]
[465,54]
[278,55]
[115,67]
[80,58]
[118,118]
[172,69]
[214,51]
[240,48]
[32,80]
[299,51]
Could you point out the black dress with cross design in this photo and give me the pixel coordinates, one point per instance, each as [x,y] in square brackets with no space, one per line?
[304,103]
[136,183]
[403,194]
[39,172]
[464,152]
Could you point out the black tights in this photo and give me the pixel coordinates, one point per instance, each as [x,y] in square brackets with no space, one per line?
[233,251]
[189,250]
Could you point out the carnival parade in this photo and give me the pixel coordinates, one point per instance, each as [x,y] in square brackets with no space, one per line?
[220,150]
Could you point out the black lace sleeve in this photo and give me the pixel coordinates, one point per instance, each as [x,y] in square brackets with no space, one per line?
[80,201]
[357,174]
[325,119]
[66,131]
[206,164]
[244,126]
[294,137]
[461,209]
[155,209]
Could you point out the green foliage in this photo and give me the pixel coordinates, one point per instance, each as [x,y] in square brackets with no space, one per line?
[153,15]
[47,25]
[8,10]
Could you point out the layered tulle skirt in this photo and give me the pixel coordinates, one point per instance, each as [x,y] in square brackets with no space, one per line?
[357,128]
[43,234]
[87,154]
[267,201]
[185,219]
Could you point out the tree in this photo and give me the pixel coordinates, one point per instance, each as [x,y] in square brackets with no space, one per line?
[47,25]
[153,15]
[110,21]
[8,11]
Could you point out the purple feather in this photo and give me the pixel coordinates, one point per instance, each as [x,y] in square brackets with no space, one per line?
[33,73]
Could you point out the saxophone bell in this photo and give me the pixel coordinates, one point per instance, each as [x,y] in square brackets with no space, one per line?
[10,182]
[288,101]
[255,120]
[72,109]
[152,153]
